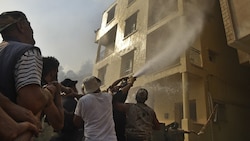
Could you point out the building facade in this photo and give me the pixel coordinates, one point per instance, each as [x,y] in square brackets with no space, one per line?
[192,56]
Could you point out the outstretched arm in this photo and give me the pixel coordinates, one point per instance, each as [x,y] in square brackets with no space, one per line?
[118,81]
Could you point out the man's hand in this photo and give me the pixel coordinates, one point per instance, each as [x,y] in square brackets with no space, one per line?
[17,112]
[12,130]
[21,114]
[131,79]
[26,126]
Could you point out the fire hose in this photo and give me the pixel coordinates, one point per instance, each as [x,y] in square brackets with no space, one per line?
[210,117]
[175,125]
[205,125]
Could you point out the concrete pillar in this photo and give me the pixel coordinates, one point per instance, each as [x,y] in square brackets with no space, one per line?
[185,96]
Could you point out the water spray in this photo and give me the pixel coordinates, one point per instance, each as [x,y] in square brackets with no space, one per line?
[183,31]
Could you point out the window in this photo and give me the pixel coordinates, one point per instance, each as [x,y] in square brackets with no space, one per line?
[130,24]
[106,44]
[192,110]
[130,1]
[179,111]
[127,63]
[102,73]
[102,52]
[159,9]
[212,56]
[111,14]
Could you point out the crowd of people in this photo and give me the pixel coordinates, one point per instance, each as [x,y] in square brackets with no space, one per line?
[35,106]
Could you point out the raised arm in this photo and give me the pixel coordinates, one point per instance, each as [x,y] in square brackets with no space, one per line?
[130,83]
[118,81]
[54,109]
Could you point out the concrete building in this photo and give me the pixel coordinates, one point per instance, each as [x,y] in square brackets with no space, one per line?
[192,56]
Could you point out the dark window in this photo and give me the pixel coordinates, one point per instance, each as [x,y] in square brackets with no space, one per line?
[127,63]
[130,25]
[106,44]
[102,73]
[192,110]
[159,9]
[111,14]
[130,1]
[179,111]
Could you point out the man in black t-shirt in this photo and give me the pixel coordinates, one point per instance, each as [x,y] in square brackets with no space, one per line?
[119,90]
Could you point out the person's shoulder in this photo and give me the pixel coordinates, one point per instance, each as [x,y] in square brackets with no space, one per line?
[85,96]
[23,46]
[106,93]
[19,44]
[131,105]
[150,109]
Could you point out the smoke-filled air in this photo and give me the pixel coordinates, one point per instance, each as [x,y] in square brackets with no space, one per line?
[184,29]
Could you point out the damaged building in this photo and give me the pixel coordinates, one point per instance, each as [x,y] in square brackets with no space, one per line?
[191,55]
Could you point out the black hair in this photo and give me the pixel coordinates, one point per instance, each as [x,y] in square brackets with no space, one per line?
[141,95]
[49,63]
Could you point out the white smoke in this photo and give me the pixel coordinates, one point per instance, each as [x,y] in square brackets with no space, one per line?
[85,70]
[184,30]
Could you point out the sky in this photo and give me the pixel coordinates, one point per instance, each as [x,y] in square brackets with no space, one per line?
[63,28]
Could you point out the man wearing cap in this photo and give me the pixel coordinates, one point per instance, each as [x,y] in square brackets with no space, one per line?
[95,110]
[141,119]
[71,84]
[21,65]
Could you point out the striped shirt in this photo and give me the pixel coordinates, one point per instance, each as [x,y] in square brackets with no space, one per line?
[28,69]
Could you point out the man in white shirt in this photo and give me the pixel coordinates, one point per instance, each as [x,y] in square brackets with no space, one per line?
[94,109]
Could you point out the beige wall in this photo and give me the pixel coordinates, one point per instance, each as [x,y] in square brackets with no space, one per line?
[219,79]
[241,16]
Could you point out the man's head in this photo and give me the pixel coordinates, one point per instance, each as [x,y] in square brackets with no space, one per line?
[141,95]
[70,83]
[91,84]
[14,25]
[50,69]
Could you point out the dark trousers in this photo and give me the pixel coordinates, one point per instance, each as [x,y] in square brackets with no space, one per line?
[134,138]
[74,136]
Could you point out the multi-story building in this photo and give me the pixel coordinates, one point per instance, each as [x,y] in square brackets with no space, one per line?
[192,56]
